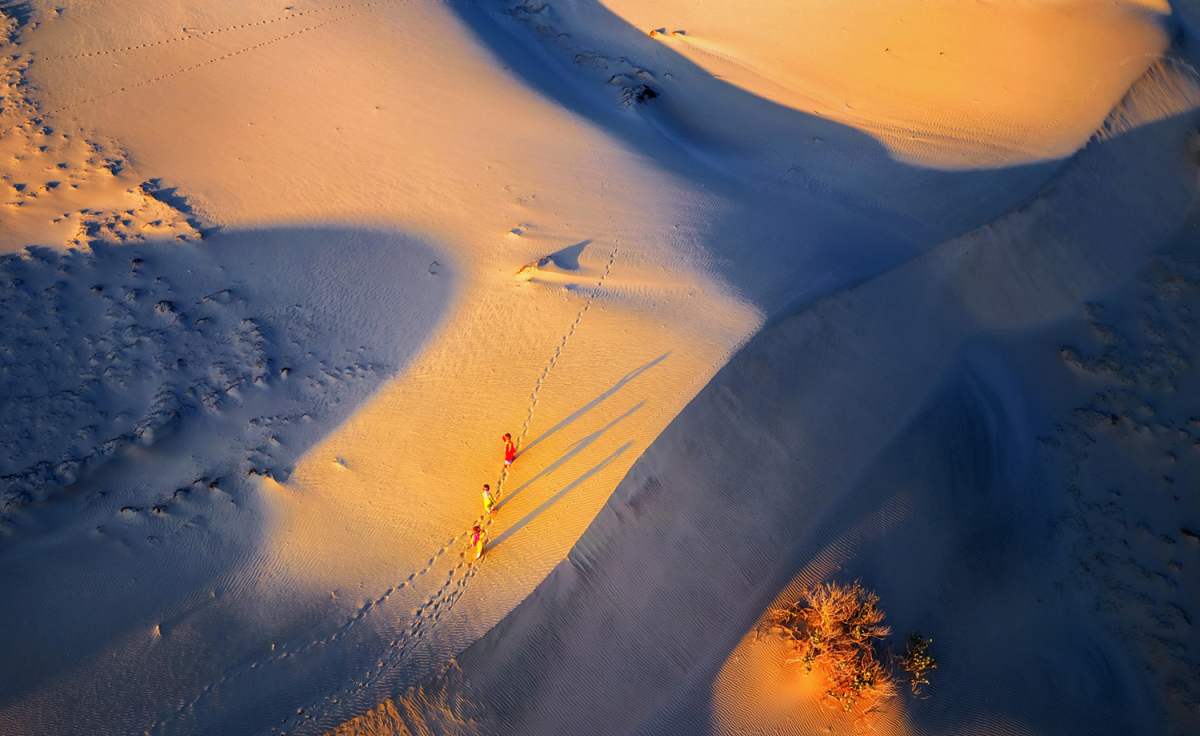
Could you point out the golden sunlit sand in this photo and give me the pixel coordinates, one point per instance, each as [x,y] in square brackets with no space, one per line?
[945,84]
[768,294]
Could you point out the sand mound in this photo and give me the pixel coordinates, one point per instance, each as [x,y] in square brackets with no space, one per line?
[945,84]
[157,392]
[240,470]
[65,188]
[851,440]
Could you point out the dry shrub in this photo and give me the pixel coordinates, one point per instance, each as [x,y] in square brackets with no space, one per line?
[838,630]
[918,662]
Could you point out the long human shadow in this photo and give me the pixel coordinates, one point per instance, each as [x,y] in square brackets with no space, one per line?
[187,367]
[577,447]
[621,383]
[844,205]
[562,492]
[688,536]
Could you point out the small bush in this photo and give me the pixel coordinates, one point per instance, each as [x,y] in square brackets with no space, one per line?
[839,631]
[918,662]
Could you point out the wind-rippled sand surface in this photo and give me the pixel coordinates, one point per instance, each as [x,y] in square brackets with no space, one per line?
[768,294]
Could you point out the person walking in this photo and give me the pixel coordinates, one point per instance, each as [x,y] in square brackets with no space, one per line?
[489,501]
[510,449]
[477,540]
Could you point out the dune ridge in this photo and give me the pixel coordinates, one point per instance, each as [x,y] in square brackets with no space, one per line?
[767,292]
[946,396]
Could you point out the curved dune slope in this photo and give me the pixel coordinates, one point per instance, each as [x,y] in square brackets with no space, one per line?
[944,84]
[296,268]
[347,578]
[889,432]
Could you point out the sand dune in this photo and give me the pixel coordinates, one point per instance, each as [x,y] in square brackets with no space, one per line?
[925,484]
[944,84]
[767,293]
[66,189]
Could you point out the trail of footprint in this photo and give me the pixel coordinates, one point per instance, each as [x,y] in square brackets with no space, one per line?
[438,603]
[537,388]
[382,598]
[341,631]
[426,615]
[486,519]
[362,8]
[291,15]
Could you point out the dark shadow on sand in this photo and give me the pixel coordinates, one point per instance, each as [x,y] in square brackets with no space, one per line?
[851,229]
[621,383]
[254,344]
[576,447]
[518,526]
[666,581]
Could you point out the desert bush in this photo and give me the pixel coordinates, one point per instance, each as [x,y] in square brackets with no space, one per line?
[917,662]
[839,631]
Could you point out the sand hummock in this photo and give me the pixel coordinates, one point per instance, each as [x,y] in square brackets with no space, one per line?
[766,293]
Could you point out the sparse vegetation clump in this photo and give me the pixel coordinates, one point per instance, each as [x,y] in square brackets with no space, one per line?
[918,662]
[838,630]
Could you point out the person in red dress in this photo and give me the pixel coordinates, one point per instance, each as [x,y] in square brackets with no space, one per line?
[510,449]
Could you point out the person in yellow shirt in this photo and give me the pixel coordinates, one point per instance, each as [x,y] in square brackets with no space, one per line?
[489,501]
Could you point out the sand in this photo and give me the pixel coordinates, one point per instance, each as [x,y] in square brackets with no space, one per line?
[767,294]
[946,84]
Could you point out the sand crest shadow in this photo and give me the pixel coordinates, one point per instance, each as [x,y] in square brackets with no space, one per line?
[154,383]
